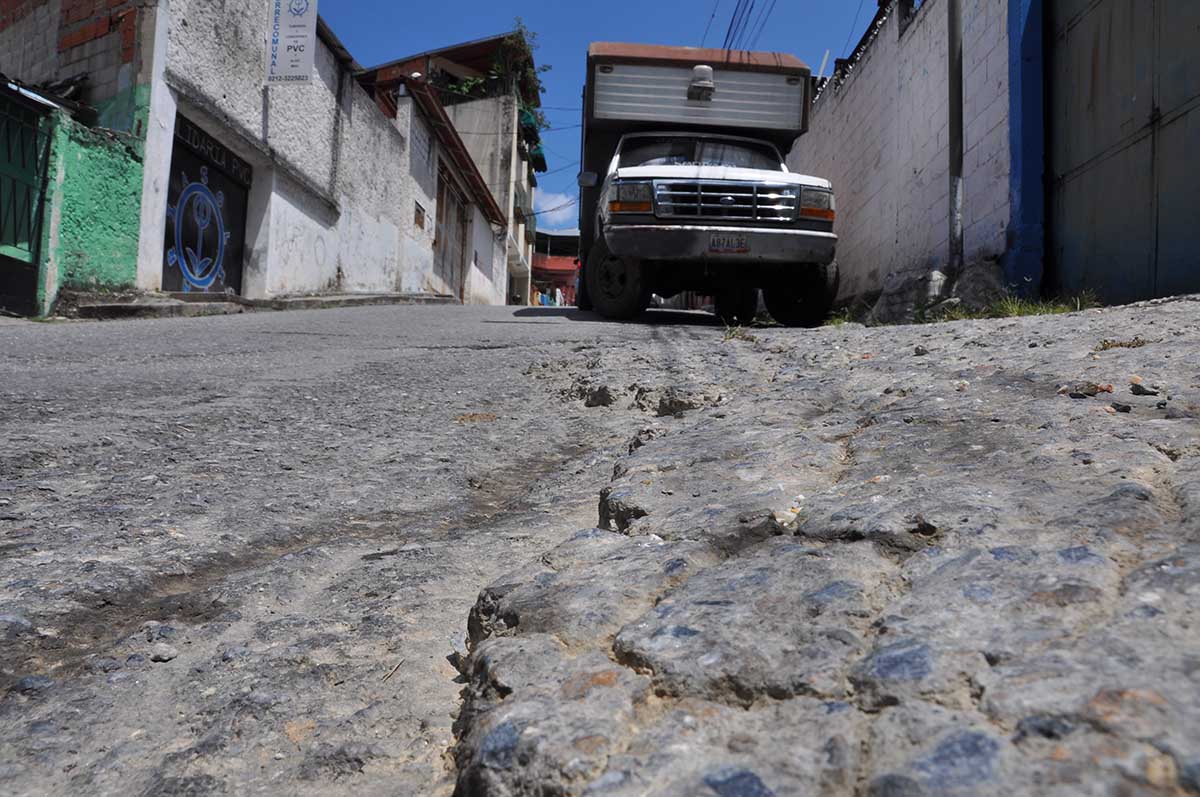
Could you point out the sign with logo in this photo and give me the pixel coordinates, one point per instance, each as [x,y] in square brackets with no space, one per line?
[291,41]
[206,214]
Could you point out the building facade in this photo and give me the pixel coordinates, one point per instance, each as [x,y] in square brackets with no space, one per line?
[229,186]
[948,168]
[490,92]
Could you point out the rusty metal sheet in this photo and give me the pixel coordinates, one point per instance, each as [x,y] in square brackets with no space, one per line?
[1103,232]
[730,59]
[1178,151]
[1125,147]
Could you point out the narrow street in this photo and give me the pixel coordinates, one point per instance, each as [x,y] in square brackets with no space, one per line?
[395,549]
[299,509]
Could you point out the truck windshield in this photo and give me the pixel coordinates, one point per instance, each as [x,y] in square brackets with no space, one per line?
[678,151]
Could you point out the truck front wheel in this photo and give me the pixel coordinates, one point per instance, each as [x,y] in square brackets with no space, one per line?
[616,286]
[803,299]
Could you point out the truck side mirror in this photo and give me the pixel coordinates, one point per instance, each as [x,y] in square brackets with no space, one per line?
[588,179]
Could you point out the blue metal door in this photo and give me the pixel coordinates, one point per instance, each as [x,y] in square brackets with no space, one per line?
[1124,147]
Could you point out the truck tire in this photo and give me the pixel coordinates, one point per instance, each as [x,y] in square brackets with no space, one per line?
[737,305]
[616,286]
[805,298]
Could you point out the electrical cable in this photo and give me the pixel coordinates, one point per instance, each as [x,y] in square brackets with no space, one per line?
[743,23]
[751,26]
[557,207]
[737,9]
[762,27]
[853,27]
[707,28]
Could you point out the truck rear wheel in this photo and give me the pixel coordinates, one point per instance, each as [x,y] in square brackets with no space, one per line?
[804,299]
[616,286]
[737,305]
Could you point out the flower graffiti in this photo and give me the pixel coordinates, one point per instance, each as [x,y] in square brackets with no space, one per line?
[197,217]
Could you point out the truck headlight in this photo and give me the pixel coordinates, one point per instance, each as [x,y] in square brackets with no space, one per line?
[817,203]
[632,198]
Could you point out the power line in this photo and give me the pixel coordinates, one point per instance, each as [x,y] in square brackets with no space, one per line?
[708,27]
[737,9]
[763,25]
[742,25]
[853,27]
[557,207]
[751,26]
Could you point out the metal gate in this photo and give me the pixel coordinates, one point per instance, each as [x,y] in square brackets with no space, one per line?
[1124,147]
[450,241]
[206,214]
[24,159]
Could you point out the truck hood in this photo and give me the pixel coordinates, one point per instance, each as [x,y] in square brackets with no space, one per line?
[732,173]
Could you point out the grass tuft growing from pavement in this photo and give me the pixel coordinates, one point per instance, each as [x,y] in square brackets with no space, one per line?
[1012,307]
[738,333]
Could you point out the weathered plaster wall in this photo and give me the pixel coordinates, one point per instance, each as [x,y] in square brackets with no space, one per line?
[215,54]
[95,206]
[882,138]
[371,193]
[335,185]
[417,272]
[488,128]
[486,278]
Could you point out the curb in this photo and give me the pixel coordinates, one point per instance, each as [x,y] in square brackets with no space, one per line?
[200,305]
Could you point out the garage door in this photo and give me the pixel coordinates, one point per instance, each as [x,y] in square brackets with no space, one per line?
[1125,147]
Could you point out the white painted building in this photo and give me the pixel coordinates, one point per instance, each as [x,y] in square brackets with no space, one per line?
[297,189]
[495,117]
[880,131]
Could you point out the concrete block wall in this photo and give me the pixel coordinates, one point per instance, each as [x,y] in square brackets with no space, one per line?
[988,161]
[881,137]
[44,41]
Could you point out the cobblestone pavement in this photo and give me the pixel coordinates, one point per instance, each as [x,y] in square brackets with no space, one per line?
[413,550]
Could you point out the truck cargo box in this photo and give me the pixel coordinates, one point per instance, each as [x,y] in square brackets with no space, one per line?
[633,86]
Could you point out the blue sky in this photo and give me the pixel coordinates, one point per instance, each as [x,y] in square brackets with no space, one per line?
[376,31]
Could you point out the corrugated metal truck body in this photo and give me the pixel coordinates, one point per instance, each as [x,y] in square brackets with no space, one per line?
[748,101]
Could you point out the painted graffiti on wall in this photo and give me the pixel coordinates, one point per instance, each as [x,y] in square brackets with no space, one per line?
[206,214]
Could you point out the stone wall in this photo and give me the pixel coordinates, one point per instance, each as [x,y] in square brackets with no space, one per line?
[880,133]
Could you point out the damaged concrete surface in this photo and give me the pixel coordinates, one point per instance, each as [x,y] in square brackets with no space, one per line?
[427,550]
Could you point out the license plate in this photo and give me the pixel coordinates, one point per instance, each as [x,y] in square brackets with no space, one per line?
[725,244]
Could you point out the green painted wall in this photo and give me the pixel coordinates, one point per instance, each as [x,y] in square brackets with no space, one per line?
[98,204]
[127,111]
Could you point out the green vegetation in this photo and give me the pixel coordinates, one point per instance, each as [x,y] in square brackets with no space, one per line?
[738,333]
[1010,307]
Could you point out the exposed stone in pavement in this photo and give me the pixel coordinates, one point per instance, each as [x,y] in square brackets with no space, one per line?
[935,575]
[793,563]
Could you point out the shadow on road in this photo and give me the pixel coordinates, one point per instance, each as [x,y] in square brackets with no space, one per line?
[673,317]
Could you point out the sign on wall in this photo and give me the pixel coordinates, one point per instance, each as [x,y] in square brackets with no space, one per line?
[291,41]
[206,214]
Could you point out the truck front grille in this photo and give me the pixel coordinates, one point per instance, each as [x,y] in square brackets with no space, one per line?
[725,200]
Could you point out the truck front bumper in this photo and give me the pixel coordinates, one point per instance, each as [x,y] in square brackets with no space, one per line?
[696,243]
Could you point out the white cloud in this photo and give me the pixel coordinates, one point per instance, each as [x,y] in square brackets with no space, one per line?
[563,210]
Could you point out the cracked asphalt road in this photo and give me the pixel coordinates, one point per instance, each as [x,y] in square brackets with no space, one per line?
[418,550]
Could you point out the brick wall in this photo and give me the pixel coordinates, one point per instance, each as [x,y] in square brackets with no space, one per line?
[881,136]
[44,41]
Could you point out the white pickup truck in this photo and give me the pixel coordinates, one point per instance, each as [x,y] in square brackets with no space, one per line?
[684,185]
